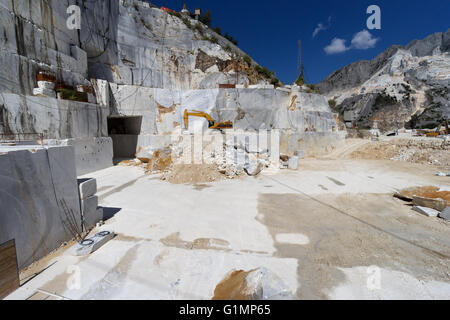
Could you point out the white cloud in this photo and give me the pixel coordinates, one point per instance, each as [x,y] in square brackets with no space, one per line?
[364,40]
[321,27]
[337,46]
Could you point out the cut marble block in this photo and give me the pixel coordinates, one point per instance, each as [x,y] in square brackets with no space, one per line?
[44,92]
[91,212]
[87,188]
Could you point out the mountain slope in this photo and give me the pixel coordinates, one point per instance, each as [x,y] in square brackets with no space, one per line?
[401,87]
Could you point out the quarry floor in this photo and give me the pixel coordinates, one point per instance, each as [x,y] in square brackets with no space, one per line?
[331,230]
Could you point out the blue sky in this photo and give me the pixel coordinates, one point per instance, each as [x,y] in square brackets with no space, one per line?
[269,30]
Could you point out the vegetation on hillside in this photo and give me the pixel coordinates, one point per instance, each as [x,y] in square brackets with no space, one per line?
[300,81]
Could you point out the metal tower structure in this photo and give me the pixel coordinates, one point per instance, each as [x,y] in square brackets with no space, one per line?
[300,66]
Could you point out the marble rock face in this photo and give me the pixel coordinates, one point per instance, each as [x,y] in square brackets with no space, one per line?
[136,44]
[139,61]
[403,86]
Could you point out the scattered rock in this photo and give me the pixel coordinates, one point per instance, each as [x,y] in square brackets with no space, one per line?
[445,214]
[293,163]
[253,168]
[430,192]
[42,92]
[436,204]
[426,211]
[257,284]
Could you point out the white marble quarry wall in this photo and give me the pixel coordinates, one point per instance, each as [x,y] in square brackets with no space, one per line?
[33,37]
[62,122]
[310,144]
[56,119]
[249,109]
[34,185]
[130,43]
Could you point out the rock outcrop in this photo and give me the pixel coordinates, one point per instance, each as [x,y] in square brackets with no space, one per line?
[134,43]
[402,87]
[144,63]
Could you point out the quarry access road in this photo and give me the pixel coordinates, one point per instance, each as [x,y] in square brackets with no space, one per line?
[330,230]
[349,146]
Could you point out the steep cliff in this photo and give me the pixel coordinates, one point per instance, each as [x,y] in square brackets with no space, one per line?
[142,62]
[402,87]
[133,43]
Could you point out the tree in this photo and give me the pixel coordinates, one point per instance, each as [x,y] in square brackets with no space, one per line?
[300,81]
[206,18]
[217,30]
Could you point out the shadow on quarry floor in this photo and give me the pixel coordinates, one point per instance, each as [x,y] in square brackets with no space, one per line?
[108,213]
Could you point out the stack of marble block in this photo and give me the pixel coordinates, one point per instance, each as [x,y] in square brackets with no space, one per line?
[45,89]
[90,212]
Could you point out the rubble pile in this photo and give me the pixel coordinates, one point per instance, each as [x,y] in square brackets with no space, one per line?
[228,159]
[432,151]
[429,201]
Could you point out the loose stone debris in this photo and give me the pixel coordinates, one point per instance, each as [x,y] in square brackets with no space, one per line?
[426,211]
[429,201]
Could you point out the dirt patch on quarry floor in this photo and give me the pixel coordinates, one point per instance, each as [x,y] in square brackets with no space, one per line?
[193,174]
[175,241]
[423,151]
[351,230]
[233,287]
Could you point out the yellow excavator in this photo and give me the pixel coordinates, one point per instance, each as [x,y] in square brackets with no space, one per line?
[440,132]
[212,124]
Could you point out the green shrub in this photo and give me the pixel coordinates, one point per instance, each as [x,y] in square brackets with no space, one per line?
[264,72]
[385,100]
[248,60]
[274,81]
[312,89]
[332,103]
[199,28]
[218,31]
[67,94]
[300,81]
[206,18]
[231,39]
[187,22]
[214,39]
